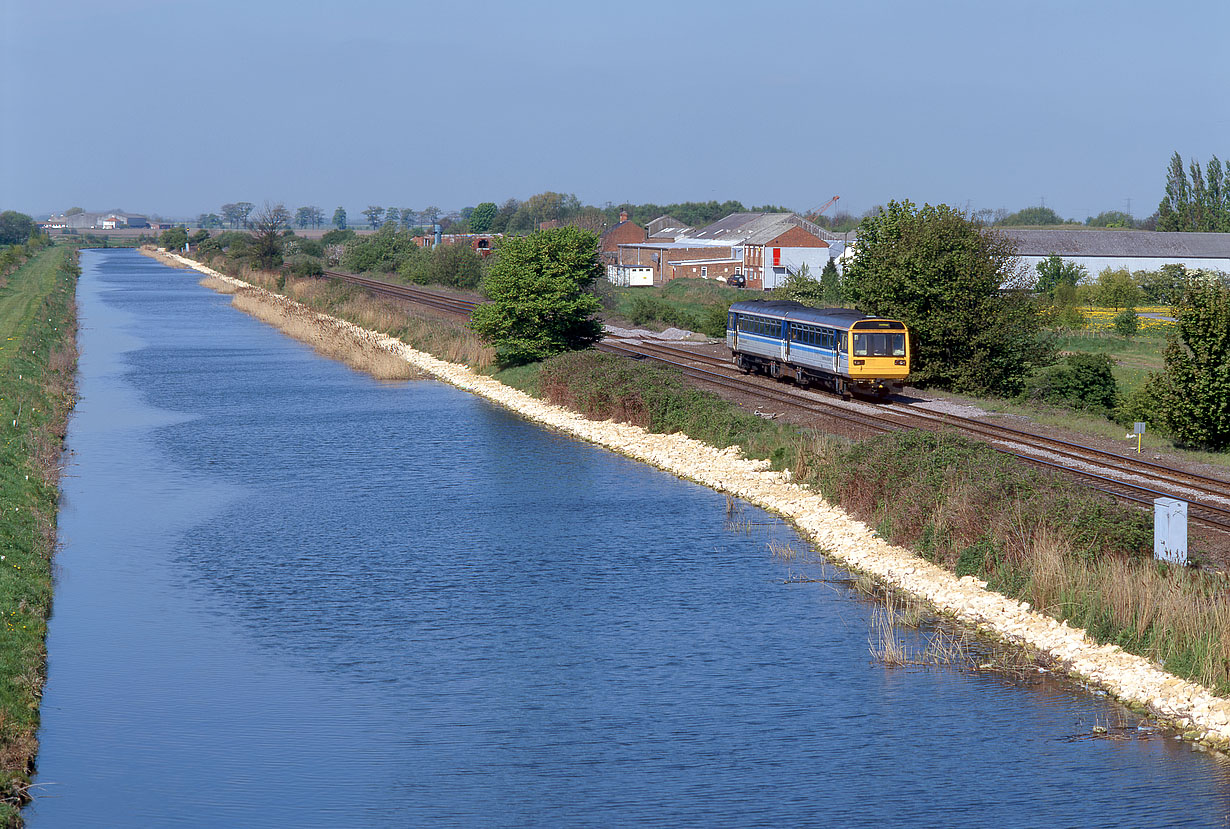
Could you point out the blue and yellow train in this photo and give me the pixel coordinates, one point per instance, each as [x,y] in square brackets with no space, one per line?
[838,349]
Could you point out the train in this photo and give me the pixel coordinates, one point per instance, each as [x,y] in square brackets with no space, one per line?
[838,349]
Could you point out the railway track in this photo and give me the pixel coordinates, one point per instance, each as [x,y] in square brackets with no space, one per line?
[1208,498]
[1132,479]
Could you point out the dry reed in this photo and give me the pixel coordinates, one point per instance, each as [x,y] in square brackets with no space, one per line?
[331,341]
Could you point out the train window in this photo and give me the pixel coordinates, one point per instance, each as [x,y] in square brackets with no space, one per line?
[879,345]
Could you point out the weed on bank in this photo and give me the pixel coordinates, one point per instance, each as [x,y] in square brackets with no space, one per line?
[37,364]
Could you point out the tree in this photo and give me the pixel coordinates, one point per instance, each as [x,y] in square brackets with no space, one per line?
[1117,289]
[303,217]
[800,287]
[1193,391]
[1125,323]
[1110,218]
[73,211]
[830,284]
[540,302]
[384,251]
[209,220]
[373,214]
[1054,271]
[407,218]
[339,218]
[15,228]
[1172,212]
[429,215]
[173,238]
[1031,216]
[267,226]
[942,274]
[483,216]
[244,209]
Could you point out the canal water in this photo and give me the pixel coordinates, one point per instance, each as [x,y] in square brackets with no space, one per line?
[290,595]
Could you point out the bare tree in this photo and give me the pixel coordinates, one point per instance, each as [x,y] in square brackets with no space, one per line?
[267,225]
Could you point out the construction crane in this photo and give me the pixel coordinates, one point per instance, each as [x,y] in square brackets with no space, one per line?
[815,213]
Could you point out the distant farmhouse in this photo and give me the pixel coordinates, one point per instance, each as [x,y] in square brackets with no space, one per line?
[763,248]
[96,221]
[1136,250]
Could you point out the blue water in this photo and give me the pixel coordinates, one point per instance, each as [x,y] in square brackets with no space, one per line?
[290,595]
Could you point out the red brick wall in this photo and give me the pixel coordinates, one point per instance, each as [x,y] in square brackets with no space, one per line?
[797,237]
[714,270]
[627,233]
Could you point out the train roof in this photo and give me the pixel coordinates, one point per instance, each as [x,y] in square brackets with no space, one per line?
[798,312]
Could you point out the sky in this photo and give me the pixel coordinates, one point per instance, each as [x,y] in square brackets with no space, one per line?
[171,108]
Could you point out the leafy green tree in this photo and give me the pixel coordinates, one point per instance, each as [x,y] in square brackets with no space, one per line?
[1032,216]
[339,218]
[373,214]
[303,217]
[337,236]
[483,216]
[1110,218]
[1163,286]
[830,284]
[1125,323]
[941,274]
[407,218]
[1117,289]
[15,228]
[455,266]
[1193,391]
[800,287]
[540,300]
[198,237]
[382,252]
[429,215]
[1054,271]
[173,238]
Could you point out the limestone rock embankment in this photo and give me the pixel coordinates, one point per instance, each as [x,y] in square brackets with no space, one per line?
[1133,679]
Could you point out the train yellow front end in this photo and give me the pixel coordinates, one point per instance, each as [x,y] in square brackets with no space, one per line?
[879,352]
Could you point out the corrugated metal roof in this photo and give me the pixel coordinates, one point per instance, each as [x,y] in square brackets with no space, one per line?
[1146,243]
[755,228]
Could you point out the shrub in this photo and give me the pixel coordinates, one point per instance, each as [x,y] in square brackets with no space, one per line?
[1079,381]
[650,309]
[1125,323]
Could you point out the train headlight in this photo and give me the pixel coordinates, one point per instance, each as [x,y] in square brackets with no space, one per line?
[859,362]
[899,362]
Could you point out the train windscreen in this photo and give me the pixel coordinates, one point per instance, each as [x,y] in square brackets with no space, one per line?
[879,345]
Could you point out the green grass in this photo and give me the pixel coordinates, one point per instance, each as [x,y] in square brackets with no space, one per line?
[37,324]
[693,297]
[1134,359]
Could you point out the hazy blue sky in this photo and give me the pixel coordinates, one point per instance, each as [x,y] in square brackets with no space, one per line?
[176,108]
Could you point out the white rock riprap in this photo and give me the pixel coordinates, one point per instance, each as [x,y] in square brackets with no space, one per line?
[1133,679]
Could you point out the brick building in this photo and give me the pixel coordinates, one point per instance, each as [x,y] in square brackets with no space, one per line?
[763,247]
[626,232]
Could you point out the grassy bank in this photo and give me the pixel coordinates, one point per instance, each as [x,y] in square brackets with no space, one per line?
[37,362]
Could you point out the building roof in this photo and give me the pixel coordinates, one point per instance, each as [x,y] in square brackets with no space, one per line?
[1120,243]
[666,226]
[754,229]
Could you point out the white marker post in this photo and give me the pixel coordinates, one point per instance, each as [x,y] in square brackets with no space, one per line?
[1170,530]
